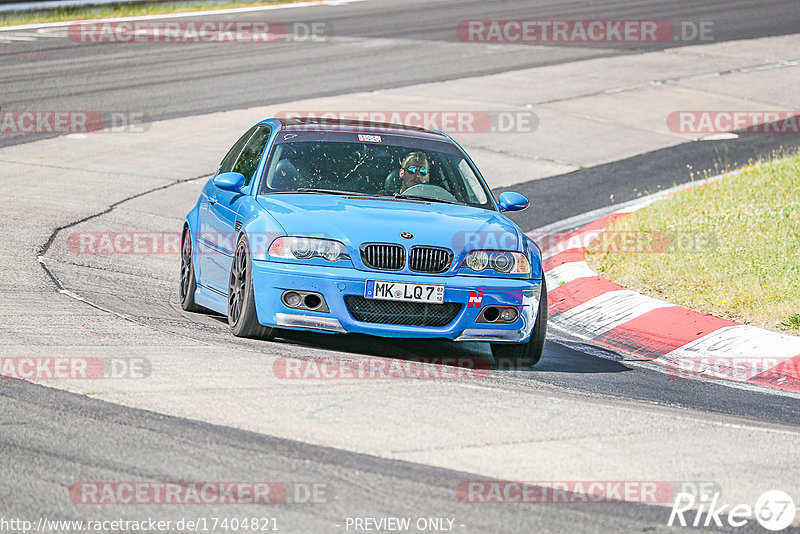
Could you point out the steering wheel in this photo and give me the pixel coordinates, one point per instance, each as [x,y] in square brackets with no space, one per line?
[430,191]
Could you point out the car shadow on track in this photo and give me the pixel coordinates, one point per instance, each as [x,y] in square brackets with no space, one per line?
[557,358]
[385,347]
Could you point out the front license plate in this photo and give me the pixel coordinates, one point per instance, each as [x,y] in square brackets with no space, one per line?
[382,290]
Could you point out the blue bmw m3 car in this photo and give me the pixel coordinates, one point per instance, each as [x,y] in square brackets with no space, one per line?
[358,227]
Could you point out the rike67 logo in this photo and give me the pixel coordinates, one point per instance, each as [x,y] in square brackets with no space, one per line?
[774,510]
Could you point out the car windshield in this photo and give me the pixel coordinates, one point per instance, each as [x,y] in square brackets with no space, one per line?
[377,165]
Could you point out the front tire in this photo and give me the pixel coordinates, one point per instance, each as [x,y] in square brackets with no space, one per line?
[531,352]
[241,302]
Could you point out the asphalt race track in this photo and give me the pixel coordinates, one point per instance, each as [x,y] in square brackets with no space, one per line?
[367,46]
[210,408]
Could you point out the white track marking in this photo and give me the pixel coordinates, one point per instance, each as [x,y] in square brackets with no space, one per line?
[563,274]
[12,37]
[658,365]
[607,311]
[741,352]
[186,14]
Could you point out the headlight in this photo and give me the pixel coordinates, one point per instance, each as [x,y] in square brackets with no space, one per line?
[500,261]
[477,260]
[304,248]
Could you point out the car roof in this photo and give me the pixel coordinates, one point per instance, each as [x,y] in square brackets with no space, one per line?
[347,125]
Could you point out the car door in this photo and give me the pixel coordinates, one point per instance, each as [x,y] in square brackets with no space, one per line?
[207,240]
[223,207]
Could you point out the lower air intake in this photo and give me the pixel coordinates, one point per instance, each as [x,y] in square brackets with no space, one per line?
[403,313]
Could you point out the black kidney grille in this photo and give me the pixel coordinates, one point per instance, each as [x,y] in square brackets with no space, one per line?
[403,313]
[383,256]
[429,259]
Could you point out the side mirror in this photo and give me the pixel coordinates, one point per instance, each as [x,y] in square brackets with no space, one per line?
[229,181]
[512,201]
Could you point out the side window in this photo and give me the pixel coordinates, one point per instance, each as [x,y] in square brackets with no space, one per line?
[251,155]
[233,153]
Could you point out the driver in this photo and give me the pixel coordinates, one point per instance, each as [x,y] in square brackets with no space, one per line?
[414,170]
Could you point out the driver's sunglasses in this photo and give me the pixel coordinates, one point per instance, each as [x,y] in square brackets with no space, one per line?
[422,170]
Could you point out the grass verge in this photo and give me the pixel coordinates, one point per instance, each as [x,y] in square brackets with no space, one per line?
[124,10]
[729,249]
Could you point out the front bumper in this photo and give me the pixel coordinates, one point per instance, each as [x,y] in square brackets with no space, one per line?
[272,279]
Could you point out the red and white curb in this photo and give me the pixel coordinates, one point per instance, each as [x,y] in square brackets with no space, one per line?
[690,344]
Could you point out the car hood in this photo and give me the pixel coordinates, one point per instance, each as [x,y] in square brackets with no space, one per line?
[356,220]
